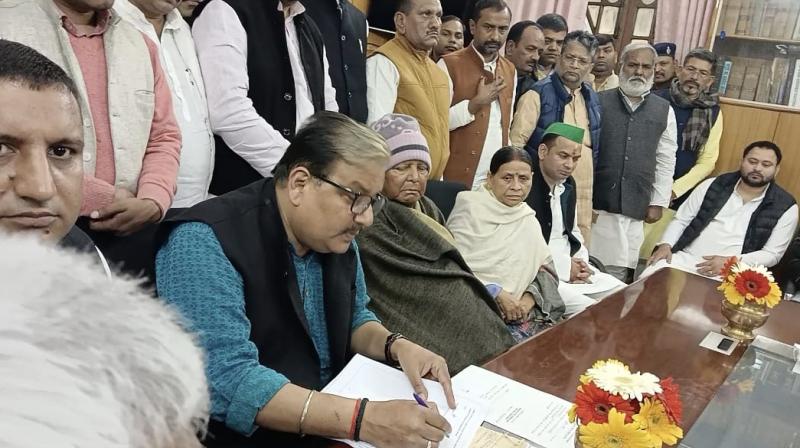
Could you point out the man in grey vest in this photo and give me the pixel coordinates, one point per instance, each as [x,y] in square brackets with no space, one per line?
[633,175]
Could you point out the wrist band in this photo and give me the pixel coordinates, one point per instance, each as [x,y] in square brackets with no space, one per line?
[303,415]
[352,432]
[362,406]
[387,348]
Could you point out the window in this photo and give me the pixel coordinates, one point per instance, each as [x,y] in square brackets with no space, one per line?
[627,20]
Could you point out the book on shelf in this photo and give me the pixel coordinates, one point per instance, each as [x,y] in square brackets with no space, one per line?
[731,16]
[768,19]
[780,71]
[736,78]
[794,91]
[724,75]
[750,84]
[758,18]
[791,25]
[744,24]
[764,79]
[781,20]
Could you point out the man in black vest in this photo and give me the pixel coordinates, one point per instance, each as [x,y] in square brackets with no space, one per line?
[633,174]
[270,278]
[41,168]
[553,199]
[266,72]
[344,30]
[743,214]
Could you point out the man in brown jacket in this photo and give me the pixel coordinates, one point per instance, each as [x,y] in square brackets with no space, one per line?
[402,78]
[483,86]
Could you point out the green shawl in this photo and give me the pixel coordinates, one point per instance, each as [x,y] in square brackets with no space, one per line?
[420,285]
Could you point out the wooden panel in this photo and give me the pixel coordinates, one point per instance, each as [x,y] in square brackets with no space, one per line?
[743,125]
[786,136]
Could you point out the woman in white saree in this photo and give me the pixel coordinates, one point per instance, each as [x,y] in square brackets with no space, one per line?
[500,238]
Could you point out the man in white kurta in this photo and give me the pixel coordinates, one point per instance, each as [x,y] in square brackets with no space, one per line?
[726,233]
[163,24]
[633,172]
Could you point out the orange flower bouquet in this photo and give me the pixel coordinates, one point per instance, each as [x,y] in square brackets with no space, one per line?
[742,282]
[749,291]
[617,408]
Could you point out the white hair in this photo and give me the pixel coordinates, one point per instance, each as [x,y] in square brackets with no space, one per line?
[633,46]
[90,362]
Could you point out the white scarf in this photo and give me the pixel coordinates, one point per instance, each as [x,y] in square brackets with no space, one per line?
[501,244]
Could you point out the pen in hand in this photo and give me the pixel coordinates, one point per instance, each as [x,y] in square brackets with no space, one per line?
[420,401]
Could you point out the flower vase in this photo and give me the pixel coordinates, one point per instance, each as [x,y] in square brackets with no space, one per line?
[743,319]
[578,443]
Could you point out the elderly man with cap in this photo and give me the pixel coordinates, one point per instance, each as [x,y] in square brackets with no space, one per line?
[665,65]
[419,284]
[553,198]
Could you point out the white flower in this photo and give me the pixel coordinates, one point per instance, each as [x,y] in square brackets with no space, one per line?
[609,368]
[625,384]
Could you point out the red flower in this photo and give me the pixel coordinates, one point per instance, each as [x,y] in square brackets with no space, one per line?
[594,404]
[753,283]
[726,269]
[671,399]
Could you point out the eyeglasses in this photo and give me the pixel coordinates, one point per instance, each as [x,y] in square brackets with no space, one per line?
[361,202]
[701,74]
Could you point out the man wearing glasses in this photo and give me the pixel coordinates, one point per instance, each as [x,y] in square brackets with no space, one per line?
[699,122]
[270,279]
[564,97]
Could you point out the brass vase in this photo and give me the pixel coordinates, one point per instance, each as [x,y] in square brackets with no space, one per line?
[743,319]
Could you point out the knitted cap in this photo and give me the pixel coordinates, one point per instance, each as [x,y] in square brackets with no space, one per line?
[567,131]
[404,138]
[665,49]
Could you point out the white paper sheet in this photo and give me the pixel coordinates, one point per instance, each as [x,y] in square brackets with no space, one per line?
[365,378]
[600,282]
[537,416]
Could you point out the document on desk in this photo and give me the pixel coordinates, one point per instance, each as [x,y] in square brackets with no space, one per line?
[521,410]
[365,378]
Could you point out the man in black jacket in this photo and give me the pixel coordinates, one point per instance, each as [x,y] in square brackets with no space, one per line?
[344,30]
[266,72]
[553,199]
[41,147]
[743,214]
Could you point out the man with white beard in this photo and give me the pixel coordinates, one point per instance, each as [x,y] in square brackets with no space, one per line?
[633,172]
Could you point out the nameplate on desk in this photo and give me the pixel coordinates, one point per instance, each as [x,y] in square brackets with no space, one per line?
[719,343]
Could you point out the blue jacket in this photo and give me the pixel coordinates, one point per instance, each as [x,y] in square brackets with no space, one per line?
[554,97]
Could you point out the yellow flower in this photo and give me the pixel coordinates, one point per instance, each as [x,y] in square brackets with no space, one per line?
[773,297]
[572,414]
[614,434]
[731,293]
[652,418]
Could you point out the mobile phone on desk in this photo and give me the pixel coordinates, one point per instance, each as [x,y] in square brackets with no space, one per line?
[725,344]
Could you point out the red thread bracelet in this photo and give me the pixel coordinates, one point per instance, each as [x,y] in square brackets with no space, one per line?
[353,420]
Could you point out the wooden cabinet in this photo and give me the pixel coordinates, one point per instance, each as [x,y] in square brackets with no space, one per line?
[758,43]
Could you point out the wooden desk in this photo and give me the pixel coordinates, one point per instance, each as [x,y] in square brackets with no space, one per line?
[653,326]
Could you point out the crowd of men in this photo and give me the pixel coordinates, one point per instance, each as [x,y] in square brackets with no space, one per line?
[238,148]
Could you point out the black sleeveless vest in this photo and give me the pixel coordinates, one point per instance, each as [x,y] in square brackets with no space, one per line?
[248,226]
[271,80]
[764,218]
